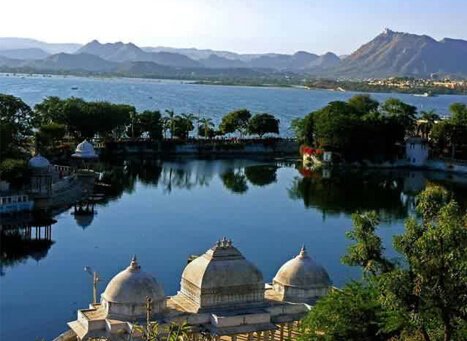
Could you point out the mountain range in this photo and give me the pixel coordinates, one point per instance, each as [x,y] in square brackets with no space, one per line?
[388,54]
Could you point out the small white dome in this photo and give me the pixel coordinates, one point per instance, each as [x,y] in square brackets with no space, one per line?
[38,161]
[85,150]
[302,272]
[126,294]
[301,279]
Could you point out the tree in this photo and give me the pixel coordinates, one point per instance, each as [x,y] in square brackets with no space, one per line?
[458,113]
[403,116]
[363,104]
[451,133]
[263,124]
[334,125]
[205,127]
[235,121]
[181,126]
[428,120]
[170,121]
[352,314]
[303,129]
[426,293]
[189,119]
[150,123]
[16,126]
[50,133]
[50,110]
[367,251]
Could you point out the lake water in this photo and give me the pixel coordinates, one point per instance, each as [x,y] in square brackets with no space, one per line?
[205,100]
[166,210]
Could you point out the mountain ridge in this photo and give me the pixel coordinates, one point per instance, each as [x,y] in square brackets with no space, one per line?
[389,54]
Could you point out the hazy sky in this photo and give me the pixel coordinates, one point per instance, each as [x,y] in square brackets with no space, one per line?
[236,25]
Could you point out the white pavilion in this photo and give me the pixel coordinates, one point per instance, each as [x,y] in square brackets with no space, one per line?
[222,296]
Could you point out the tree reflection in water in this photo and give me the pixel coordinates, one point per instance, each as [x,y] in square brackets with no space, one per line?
[351,191]
[391,193]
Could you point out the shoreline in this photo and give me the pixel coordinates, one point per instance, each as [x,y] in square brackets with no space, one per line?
[433,92]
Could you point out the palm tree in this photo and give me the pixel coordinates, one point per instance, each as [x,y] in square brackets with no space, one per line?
[189,119]
[205,124]
[428,120]
[170,118]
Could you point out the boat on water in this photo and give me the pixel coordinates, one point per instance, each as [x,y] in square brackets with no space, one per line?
[74,88]
[426,94]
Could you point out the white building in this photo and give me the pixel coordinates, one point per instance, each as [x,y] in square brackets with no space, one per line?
[416,151]
[221,294]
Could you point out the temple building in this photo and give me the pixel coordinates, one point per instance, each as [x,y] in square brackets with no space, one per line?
[85,151]
[222,296]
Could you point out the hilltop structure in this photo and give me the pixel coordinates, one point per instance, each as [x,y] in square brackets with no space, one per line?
[222,294]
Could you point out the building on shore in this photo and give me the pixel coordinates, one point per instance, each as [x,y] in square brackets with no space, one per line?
[222,295]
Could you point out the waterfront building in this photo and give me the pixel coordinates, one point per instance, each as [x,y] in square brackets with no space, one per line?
[55,185]
[416,151]
[222,295]
[85,151]
[41,176]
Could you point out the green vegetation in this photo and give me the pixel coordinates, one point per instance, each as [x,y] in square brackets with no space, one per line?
[235,121]
[358,129]
[420,296]
[362,128]
[449,136]
[261,124]
[16,126]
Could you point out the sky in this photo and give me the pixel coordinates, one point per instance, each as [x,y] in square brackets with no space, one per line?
[245,26]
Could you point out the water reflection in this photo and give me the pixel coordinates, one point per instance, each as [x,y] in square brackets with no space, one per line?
[389,192]
[24,236]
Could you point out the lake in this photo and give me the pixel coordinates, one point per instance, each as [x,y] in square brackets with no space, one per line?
[206,100]
[166,210]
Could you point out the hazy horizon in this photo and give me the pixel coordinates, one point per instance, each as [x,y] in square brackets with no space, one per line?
[240,26]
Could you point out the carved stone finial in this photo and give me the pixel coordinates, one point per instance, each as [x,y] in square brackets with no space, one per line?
[229,242]
[303,252]
[134,264]
[219,243]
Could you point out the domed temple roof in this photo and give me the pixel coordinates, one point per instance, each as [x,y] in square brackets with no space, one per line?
[222,276]
[85,150]
[38,161]
[222,265]
[132,286]
[302,272]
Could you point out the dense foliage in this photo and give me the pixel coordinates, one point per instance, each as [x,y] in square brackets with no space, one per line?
[235,121]
[360,128]
[450,135]
[261,124]
[423,296]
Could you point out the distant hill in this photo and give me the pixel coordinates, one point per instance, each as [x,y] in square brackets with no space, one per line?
[73,62]
[25,54]
[403,54]
[388,54]
[26,43]
[120,52]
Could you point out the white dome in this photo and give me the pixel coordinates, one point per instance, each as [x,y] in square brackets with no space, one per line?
[85,150]
[38,161]
[301,278]
[126,294]
[222,277]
